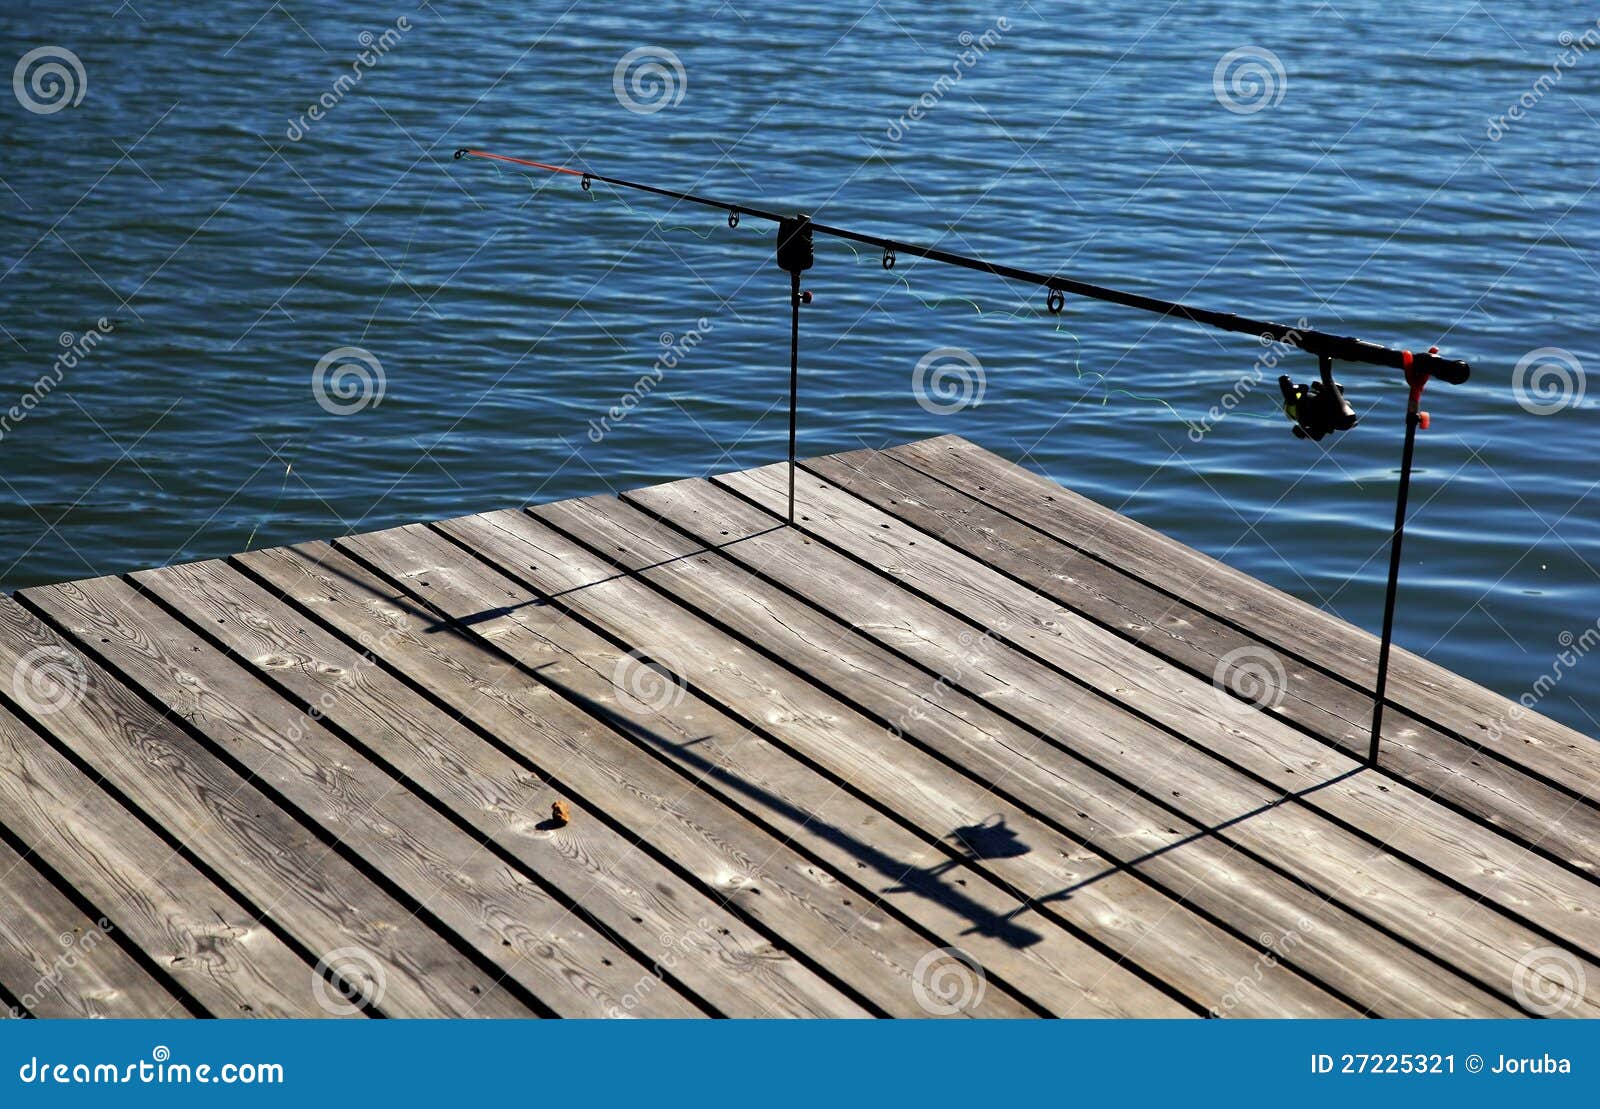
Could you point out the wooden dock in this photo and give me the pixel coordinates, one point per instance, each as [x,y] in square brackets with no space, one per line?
[960,743]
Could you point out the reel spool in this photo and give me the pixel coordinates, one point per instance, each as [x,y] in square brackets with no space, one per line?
[1318,409]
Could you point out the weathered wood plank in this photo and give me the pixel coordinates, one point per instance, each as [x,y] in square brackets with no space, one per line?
[58,962]
[783,796]
[807,908]
[311,892]
[514,924]
[1131,917]
[1455,926]
[957,714]
[1479,858]
[722,960]
[215,950]
[1415,753]
[1207,871]
[1478,716]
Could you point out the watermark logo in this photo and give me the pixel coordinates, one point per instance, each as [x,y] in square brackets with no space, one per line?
[75,349]
[975,647]
[374,48]
[158,1070]
[76,947]
[1253,673]
[648,79]
[347,380]
[947,981]
[1548,981]
[1276,350]
[674,350]
[1547,380]
[1576,47]
[48,79]
[1248,80]
[1574,650]
[1274,947]
[346,976]
[49,680]
[948,379]
[973,49]
[648,684]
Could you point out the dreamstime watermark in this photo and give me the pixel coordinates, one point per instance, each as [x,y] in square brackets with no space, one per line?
[347,380]
[1577,46]
[75,349]
[371,651]
[649,684]
[974,47]
[1547,380]
[1548,981]
[1574,649]
[947,981]
[675,348]
[1276,349]
[1273,950]
[702,936]
[48,79]
[948,379]
[1253,673]
[648,79]
[1248,80]
[76,946]
[348,976]
[158,1070]
[975,647]
[374,48]
[48,680]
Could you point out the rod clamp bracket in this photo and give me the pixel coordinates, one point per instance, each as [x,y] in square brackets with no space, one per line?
[1417,378]
[795,251]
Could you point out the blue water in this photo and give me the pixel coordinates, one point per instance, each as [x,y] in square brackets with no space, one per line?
[230,246]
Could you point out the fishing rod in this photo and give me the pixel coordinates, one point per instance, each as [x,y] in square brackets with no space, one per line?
[1315,410]
[1340,347]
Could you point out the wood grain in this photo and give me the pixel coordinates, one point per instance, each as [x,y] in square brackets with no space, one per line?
[212,947]
[263,852]
[1139,923]
[734,862]
[738,970]
[530,937]
[57,961]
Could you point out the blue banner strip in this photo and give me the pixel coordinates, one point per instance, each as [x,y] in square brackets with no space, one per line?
[818,1065]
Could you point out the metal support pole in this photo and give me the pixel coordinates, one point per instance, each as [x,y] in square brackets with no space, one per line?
[794,376]
[1413,419]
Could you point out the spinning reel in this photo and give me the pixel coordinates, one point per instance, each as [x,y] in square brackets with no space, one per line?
[1319,408]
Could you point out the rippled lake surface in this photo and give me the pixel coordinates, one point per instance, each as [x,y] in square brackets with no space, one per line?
[1416,174]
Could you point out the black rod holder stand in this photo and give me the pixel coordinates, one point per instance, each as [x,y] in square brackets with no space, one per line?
[1415,418]
[796,255]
